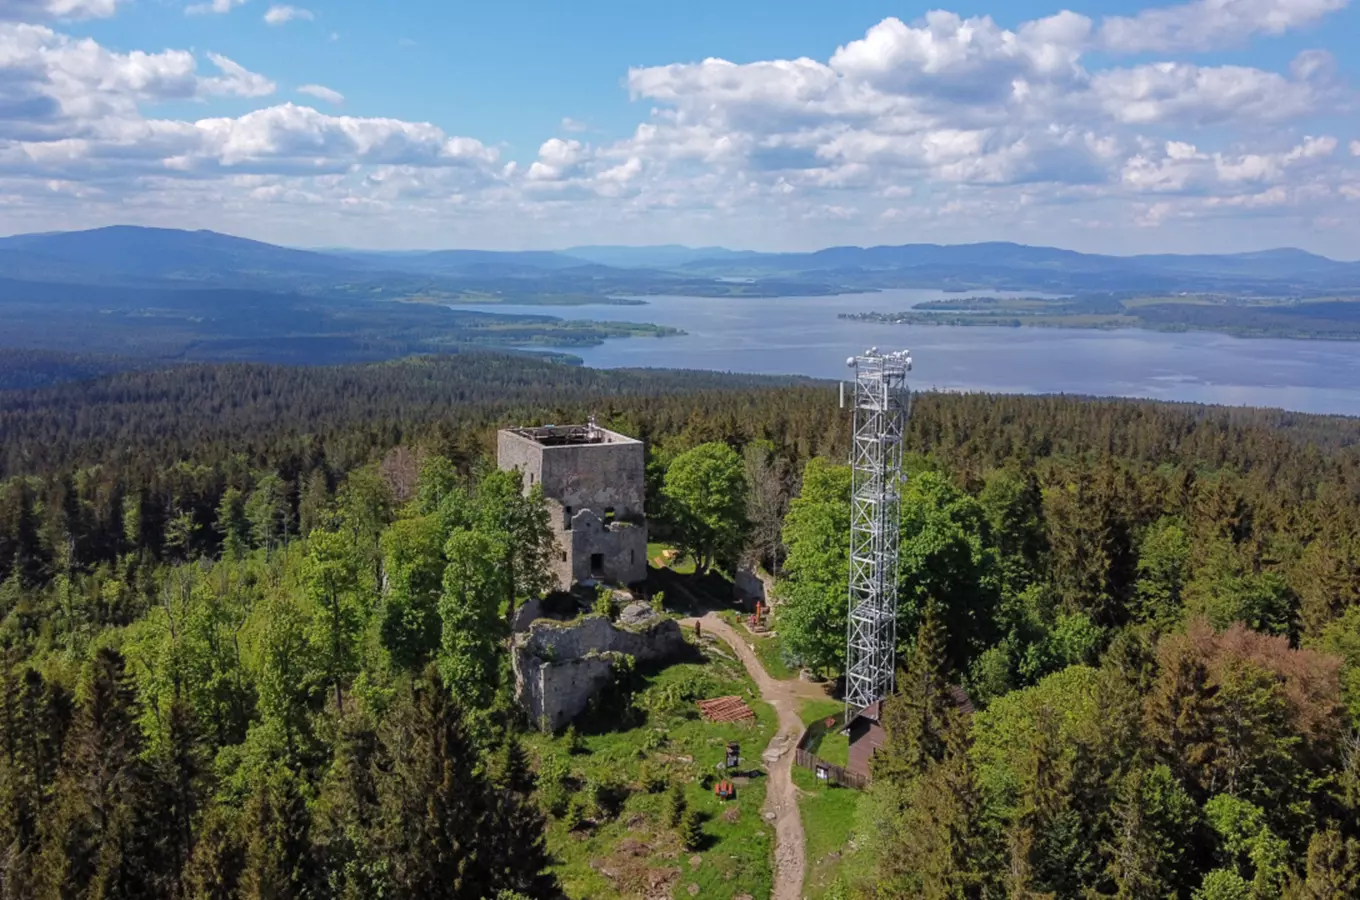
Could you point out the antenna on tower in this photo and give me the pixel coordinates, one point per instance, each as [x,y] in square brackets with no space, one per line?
[881,406]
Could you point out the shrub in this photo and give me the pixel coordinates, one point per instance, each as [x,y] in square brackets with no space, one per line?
[653,778]
[604,603]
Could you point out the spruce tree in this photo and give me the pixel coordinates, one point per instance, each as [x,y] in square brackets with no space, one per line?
[1333,868]
[675,803]
[33,720]
[1135,852]
[277,837]
[691,830]
[915,718]
[511,771]
[1181,716]
[446,831]
[214,870]
[933,843]
[346,817]
[104,834]
[184,774]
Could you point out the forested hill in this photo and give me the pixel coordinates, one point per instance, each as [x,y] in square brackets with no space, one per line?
[211,412]
[252,617]
[183,435]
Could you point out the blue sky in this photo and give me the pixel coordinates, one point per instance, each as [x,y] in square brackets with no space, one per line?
[1114,126]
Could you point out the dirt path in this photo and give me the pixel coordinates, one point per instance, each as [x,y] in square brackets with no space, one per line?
[781,796]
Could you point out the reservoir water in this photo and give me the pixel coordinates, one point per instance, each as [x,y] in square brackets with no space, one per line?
[803,336]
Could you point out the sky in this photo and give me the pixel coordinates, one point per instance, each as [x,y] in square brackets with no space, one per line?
[1112,126]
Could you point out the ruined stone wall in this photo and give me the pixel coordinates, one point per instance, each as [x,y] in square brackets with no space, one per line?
[559,667]
[622,547]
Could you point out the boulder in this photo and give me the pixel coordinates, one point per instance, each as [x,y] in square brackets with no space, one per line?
[637,615]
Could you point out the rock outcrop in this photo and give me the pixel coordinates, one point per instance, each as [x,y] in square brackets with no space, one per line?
[561,666]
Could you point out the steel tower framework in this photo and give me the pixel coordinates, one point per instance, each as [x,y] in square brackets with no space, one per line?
[881,407]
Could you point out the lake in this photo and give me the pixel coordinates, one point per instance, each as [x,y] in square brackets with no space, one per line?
[802,336]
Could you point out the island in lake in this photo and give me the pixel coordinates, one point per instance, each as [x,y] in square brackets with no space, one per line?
[1319,318]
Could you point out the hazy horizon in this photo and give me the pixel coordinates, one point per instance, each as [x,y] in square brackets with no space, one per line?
[567,250]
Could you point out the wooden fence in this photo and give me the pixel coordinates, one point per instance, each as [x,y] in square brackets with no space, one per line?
[825,770]
[820,767]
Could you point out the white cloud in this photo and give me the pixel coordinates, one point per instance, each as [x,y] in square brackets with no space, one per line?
[322,93]
[287,136]
[963,59]
[213,7]
[56,87]
[278,15]
[1183,92]
[236,80]
[943,128]
[623,173]
[73,110]
[1207,24]
[556,160]
[39,10]
[1183,168]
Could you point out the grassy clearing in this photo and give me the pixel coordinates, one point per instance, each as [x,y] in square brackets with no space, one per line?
[630,850]
[812,710]
[680,564]
[770,652]
[834,747]
[829,815]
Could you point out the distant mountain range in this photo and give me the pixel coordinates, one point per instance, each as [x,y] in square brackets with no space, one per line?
[133,256]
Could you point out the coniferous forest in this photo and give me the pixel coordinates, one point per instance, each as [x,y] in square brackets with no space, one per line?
[253,625]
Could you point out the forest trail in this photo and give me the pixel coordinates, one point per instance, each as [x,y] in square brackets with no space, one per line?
[781,796]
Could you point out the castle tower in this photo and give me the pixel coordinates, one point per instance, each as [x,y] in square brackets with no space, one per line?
[595,483]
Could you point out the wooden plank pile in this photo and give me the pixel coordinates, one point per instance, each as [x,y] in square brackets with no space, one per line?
[726,709]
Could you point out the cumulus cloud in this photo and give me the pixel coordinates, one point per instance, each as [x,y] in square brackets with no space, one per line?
[213,7]
[929,124]
[556,160]
[288,136]
[1179,167]
[321,92]
[39,10]
[73,108]
[964,59]
[279,15]
[1184,92]
[1207,24]
[235,80]
[54,87]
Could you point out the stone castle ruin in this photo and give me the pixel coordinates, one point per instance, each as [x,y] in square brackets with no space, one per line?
[594,482]
[561,666]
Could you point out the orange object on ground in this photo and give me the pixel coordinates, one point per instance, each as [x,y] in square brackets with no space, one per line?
[725,790]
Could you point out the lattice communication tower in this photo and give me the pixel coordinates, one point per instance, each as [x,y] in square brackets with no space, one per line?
[881,405]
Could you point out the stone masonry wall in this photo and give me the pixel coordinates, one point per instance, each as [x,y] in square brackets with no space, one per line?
[560,667]
[586,485]
[597,477]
